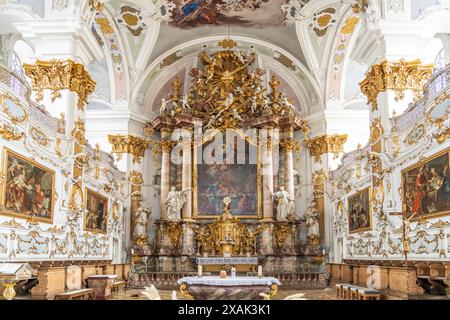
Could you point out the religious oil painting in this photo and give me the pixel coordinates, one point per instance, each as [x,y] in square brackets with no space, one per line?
[237,180]
[96,217]
[359,215]
[29,188]
[253,13]
[426,187]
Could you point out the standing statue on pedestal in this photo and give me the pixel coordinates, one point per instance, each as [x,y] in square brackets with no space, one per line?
[140,229]
[285,203]
[140,222]
[312,220]
[175,202]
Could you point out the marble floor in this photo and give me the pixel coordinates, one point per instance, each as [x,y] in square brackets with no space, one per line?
[313,294]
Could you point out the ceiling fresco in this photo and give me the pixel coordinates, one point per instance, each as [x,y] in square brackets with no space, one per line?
[255,13]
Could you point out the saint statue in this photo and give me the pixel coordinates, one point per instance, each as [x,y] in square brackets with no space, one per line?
[312,220]
[175,202]
[285,203]
[141,221]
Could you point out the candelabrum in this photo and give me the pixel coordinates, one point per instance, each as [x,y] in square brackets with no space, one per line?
[8,281]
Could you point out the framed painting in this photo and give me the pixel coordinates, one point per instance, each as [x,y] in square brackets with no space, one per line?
[28,190]
[96,216]
[426,187]
[359,211]
[240,180]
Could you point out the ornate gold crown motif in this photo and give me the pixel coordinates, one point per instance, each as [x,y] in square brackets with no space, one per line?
[226,91]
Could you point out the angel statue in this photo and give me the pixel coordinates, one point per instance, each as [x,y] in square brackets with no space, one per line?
[185,103]
[286,103]
[163,107]
[175,202]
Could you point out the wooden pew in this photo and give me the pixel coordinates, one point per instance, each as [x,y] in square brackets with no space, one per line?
[80,294]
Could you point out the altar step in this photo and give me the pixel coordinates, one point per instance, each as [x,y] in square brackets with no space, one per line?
[299,280]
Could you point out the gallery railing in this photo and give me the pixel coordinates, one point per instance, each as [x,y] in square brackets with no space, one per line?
[16,83]
[438,82]
[416,111]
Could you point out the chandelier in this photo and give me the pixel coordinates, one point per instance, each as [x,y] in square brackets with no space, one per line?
[226,92]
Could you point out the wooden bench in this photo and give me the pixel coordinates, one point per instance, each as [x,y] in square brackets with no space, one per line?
[117,285]
[368,294]
[338,287]
[354,292]
[80,294]
[345,291]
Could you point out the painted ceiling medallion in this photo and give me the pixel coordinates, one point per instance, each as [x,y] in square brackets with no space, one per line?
[322,21]
[132,19]
[292,10]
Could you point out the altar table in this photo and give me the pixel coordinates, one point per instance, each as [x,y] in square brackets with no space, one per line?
[102,285]
[237,288]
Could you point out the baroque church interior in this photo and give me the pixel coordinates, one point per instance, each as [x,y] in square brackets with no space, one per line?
[224,149]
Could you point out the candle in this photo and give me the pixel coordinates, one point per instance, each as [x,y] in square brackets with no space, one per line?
[200,270]
[259,271]
[323,251]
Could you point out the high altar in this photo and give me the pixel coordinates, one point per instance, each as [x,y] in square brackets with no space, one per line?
[221,144]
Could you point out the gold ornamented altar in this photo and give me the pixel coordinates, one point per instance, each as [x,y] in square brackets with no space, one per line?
[227,100]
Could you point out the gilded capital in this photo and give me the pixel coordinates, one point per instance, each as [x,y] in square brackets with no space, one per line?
[136,178]
[397,76]
[57,75]
[289,144]
[129,144]
[326,144]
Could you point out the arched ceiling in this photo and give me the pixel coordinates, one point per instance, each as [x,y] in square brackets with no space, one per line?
[307,44]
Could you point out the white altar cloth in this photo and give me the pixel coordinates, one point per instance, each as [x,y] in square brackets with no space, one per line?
[229,281]
[227,260]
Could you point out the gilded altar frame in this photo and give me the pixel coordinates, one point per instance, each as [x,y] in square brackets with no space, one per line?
[422,162]
[6,153]
[199,144]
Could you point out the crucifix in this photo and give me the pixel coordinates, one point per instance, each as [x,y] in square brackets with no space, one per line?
[406,227]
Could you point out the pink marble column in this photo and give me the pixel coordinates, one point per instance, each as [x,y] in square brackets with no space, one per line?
[165,170]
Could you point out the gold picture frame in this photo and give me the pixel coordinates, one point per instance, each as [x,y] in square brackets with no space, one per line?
[406,198]
[368,207]
[16,193]
[210,136]
[88,221]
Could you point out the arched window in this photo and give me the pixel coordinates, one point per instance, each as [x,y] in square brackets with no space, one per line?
[439,62]
[16,65]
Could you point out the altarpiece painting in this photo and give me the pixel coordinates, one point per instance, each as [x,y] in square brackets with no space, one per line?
[237,179]
[29,188]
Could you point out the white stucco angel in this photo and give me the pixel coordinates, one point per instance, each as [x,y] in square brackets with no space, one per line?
[286,103]
[312,220]
[185,103]
[253,104]
[285,203]
[163,107]
[175,202]
[229,100]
